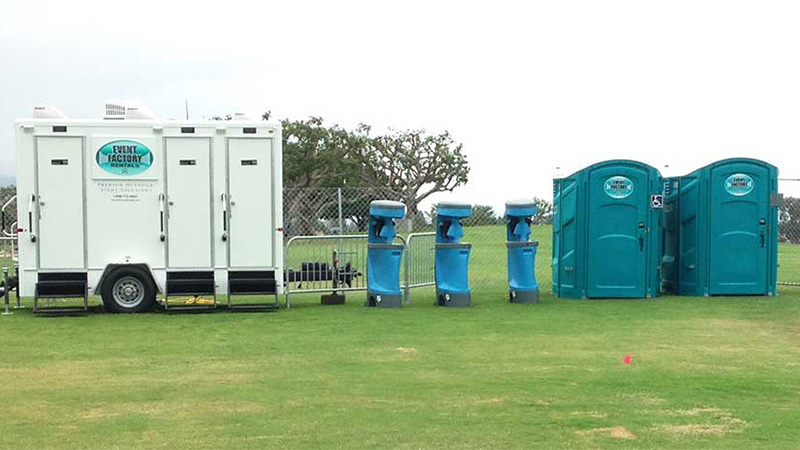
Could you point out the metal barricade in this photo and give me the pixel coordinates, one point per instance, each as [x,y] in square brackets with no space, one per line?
[328,263]
[8,229]
[419,256]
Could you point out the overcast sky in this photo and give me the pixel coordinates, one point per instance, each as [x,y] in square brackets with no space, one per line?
[527,87]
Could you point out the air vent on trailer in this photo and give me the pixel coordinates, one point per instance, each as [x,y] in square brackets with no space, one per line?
[118,110]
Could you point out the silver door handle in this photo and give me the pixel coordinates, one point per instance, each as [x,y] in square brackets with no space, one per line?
[225,217]
[161,236]
[30,218]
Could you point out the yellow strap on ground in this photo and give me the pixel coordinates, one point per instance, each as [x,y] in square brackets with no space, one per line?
[197,301]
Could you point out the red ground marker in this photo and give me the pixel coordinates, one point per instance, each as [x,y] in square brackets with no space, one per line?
[627,359]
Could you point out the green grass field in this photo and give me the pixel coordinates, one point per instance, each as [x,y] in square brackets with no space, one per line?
[706,373]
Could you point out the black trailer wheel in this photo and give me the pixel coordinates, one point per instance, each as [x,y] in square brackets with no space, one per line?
[128,289]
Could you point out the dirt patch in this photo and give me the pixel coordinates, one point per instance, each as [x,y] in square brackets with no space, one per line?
[646,399]
[177,409]
[694,429]
[406,353]
[701,411]
[727,423]
[612,432]
[472,402]
[111,372]
[592,414]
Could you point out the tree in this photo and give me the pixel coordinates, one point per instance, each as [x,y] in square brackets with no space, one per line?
[406,165]
[483,215]
[315,155]
[414,164]
[316,159]
[544,215]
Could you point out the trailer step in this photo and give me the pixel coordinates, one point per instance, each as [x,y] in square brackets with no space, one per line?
[188,308]
[60,285]
[192,283]
[254,307]
[250,283]
[62,311]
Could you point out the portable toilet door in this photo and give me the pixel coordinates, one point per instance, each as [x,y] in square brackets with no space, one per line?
[670,241]
[568,231]
[728,242]
[744,228]
[608,231]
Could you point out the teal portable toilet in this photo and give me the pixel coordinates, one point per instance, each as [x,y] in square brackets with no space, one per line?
[724,217]
[607,231]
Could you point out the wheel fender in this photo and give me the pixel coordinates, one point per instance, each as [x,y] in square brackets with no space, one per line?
[109,268]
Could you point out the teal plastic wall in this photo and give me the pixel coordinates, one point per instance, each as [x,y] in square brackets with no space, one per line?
[606,237]
[721,230]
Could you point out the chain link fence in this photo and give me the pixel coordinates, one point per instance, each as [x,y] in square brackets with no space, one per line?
[8,233]
[789,234]
[334,211]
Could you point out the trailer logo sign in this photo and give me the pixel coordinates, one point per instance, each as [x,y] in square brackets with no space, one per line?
[618,187]
[739,184]
[124,157]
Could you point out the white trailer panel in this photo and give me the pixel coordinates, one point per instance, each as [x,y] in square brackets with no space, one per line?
[191,204]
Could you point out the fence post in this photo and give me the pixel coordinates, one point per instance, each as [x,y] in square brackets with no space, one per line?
[407,267]
[341,221]
[5,291]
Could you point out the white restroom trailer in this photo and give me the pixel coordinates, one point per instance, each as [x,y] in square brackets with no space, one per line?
[130,207]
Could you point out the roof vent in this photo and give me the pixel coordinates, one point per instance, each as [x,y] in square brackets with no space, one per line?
[47,112]
[129,110]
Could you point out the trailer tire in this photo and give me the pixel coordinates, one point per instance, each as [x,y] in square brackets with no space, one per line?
[128,289]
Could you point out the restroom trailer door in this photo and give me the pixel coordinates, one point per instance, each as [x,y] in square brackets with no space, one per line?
[251,214]
[189,202]
[59,185]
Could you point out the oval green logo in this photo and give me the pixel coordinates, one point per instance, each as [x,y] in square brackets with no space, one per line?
[124,157]
[739,184]
[618,187]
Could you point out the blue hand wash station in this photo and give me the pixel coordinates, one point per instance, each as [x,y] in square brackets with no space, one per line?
[384,257]
[522,286]
[452,256]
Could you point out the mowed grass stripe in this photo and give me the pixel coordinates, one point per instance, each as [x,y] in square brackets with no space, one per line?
[706,373]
